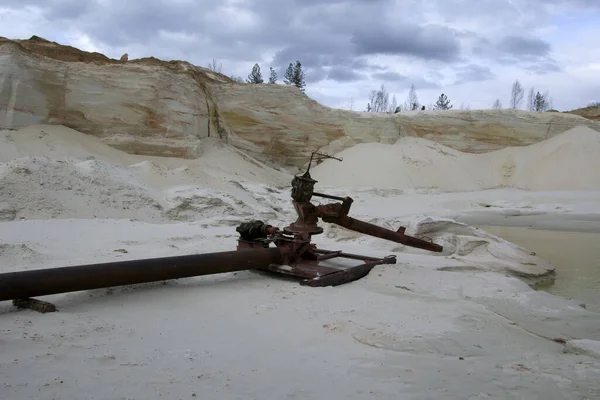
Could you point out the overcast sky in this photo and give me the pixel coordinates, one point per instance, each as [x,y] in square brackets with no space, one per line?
[471,50]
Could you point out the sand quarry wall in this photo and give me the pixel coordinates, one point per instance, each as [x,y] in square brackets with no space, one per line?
[157,108]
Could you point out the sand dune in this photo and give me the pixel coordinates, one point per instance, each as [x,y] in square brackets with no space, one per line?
[56,172]
[568,161]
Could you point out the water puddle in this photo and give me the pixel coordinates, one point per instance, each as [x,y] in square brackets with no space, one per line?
[576,256]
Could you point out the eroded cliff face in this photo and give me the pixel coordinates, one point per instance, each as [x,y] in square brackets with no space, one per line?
[143,107]
[154,107]
[280,123]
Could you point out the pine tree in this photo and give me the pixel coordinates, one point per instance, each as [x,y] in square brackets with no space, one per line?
[295,76]
[273,76]
[255,76]
[289,75]
[299,77]
[442,103]
[540,103]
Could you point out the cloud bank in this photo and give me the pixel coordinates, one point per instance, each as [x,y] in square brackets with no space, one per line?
[471,51]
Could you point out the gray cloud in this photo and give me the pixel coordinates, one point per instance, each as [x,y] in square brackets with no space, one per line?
[53,9]
[341,74]
[314,52]
[473,73]
[389,76]
[513,47]
[529,52]
[424,83]
[328,33]
[67,9]
[543,68]
[522,46]
[313,74]
[592,4]
[130,22]
[429,42]
[359,41]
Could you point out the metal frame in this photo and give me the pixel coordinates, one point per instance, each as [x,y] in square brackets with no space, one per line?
[301,257]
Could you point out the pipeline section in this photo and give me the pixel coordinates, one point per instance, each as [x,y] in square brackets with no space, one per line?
[41,282]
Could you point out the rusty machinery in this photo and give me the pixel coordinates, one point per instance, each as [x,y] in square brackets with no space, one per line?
[294,254]
[301,257]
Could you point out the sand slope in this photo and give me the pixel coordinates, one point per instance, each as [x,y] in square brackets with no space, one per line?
[56,172]
[568,161]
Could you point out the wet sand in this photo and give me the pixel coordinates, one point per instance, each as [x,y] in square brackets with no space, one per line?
[576,256]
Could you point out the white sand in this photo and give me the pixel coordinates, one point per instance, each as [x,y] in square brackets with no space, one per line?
[568,161]
[460,324]
[56,172]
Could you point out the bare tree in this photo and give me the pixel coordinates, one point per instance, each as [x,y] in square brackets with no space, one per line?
[516,95]
[379,100]
[383,99]
[351,104]
[216,67]
[549,101]
[372,99]
[412,101]
[531,99]
[465,107]
[497,105]
[394,105]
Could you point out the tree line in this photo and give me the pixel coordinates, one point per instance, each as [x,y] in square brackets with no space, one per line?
[379,101]
[536,101]
[294,75]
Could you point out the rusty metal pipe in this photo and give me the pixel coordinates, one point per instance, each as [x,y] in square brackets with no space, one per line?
[383,233]
[41,282]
